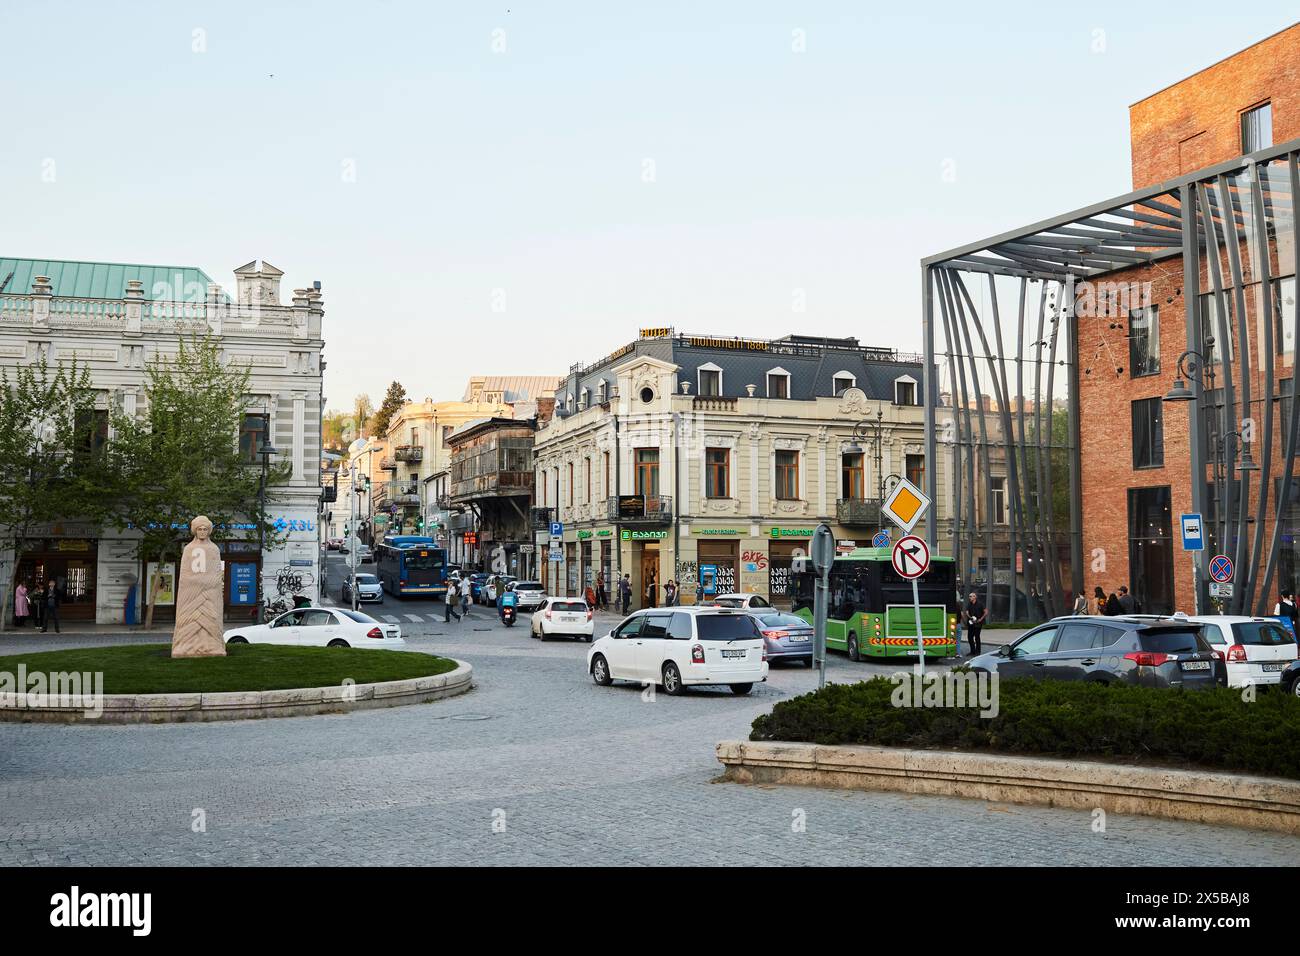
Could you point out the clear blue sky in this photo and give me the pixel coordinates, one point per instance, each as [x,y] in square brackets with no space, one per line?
[523,171]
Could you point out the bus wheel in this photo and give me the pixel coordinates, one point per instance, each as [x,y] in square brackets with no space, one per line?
[853,647]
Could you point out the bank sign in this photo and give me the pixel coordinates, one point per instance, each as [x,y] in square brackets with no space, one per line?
[791,532]
[644,535]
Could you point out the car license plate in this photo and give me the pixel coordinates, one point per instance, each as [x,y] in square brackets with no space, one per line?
[1196,665]
[730,654]
[1279,666]
[798,638]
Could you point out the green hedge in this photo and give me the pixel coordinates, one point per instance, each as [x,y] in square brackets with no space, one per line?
[1207,729]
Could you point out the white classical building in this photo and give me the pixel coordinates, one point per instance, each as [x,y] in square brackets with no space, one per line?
[114,318]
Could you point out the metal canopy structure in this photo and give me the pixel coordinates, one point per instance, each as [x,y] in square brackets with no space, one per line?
[1006,307]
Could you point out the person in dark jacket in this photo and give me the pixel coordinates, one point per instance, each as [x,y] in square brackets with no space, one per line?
[1113,607]
[1126,600]
[51,601]
[975,614]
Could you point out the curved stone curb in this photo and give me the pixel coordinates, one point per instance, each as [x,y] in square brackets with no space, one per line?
[235,705]
[1266,803]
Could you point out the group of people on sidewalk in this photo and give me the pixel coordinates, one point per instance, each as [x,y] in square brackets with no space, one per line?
[42,607]
[1121,602]
[598,596]
[458,592]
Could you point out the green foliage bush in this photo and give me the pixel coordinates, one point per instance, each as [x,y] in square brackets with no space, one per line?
[1213,729]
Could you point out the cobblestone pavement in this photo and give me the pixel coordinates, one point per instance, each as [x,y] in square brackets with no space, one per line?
[535,766]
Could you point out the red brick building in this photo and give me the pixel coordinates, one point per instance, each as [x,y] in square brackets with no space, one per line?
[1135,454]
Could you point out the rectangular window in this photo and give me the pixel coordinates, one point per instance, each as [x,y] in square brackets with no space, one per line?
[570,477]
[710,382]
[853,481]
[718,472]
[647,472]
[787,475]
[999,500]
[608,492]
[1144,341]
[252,436]
[586,464]
[904,393]
[1257,128]
[1148,434]
[915,470]
[841,383]
[1284,314]
[92,430]
[778,386]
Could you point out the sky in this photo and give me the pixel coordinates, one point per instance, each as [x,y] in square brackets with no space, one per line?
[516,187]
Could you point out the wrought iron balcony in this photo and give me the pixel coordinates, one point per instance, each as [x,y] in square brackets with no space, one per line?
[409,452]
[398,492]
[640,509]
[858,512]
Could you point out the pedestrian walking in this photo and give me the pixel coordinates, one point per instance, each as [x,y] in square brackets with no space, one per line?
[652,591]
[1126,602]
[51,608]
[1098,601]
[1080,605]
[465,594]
[670,593]
[976,614]
[449,601]
[601,597]
[21,605]
[625,591]
[1113,607]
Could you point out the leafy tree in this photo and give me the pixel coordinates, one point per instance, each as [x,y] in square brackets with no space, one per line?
[393,401]
[181,458]
[338,430]
[362,410]
[51,445]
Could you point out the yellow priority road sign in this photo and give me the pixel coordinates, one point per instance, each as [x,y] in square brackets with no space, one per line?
[905,505]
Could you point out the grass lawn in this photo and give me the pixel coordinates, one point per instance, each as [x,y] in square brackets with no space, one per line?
[149,668]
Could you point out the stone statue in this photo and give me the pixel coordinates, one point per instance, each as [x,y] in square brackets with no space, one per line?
[198,598]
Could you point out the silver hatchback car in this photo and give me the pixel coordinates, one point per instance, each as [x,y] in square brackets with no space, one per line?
[788,637]
[368,589]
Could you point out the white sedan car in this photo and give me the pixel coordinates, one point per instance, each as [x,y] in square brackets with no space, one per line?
[320,627]
[1256,649]
[752,602]
[570,617]
[682,646]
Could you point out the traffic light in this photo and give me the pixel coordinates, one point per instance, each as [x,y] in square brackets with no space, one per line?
[419,524]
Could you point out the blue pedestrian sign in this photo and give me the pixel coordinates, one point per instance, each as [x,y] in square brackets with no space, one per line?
[1221,569]
[880,539]
[1193,538]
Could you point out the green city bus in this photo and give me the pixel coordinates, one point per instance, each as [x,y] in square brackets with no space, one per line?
[870,612]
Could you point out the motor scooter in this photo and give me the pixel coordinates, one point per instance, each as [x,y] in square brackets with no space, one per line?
[506,608]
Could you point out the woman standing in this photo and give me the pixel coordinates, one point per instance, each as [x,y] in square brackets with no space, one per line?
[21,606]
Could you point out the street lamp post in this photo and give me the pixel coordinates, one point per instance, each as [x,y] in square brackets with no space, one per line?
[264,452]
[873,431]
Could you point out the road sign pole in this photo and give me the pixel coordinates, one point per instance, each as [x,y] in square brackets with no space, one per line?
[823,557]
[920,641]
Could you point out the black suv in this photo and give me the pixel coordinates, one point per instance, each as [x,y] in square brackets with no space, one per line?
[1151,653]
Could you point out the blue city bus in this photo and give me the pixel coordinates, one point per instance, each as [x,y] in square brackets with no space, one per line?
[411,564]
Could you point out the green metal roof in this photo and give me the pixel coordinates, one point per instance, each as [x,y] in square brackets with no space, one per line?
[105,280]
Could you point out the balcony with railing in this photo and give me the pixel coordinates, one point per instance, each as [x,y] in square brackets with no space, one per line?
[404,493]
[409,452]
[713,403]
[858,512]
[640,509]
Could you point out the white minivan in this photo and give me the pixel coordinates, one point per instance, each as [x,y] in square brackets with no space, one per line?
[1257,649]
[680,647]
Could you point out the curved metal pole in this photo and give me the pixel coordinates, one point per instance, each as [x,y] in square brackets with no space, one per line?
[955,481]
[1015,515]
[1284,491]
[1265,464]
[984,441]
[1229,399]
[946,300]
[1052,567]
[1226,216]
[1041,507]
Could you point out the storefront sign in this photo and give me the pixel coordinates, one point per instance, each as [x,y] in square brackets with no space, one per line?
[708,343]
[584,535]
[791,532]
[644,535]
[660,333]
[72,544]
[631,506]
[715,531]
[604,533]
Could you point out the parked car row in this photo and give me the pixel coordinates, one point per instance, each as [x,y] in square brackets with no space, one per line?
[1152,651]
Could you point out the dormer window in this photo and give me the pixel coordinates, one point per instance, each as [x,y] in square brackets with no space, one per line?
[586,397]
[602,391]
[710,380]
[568,402]
[778,383]
[905,390]
[842,382]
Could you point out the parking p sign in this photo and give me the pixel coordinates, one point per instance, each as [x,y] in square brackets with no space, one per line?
[1193,538]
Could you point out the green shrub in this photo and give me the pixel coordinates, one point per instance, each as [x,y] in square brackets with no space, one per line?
[1207,729]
